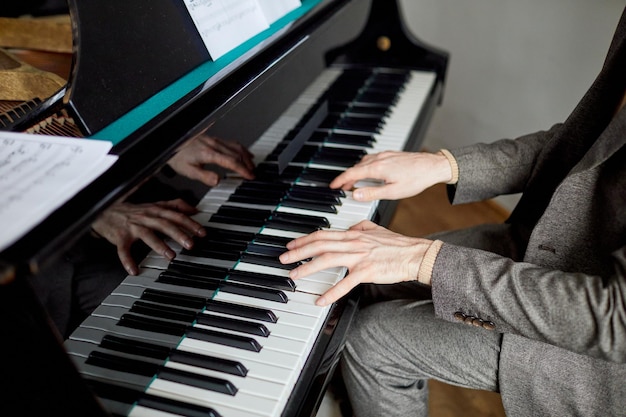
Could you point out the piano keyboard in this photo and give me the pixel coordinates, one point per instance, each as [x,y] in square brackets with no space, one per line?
[222,330]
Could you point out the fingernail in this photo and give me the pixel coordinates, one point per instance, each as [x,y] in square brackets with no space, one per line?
[169,254]
[320,302]
[357,195]
[131,270]
[188,244]
[293,273]
[201,232]
[289,245]
[284,258]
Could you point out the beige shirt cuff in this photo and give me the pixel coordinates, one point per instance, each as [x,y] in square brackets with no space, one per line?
[453,166]
[425,273]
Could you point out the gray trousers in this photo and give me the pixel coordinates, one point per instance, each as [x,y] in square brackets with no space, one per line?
[396,344]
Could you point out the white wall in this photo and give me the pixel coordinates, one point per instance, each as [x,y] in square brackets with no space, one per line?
[516,66]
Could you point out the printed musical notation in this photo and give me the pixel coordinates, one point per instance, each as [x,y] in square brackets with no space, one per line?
[39,173]
[226,24]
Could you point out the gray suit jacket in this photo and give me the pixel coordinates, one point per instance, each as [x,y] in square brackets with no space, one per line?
[556,284]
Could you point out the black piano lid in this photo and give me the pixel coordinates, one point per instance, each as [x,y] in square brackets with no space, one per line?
[148,68]
[150,145]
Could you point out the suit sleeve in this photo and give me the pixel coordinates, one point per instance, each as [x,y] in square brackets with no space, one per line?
[501,167]
[582,313]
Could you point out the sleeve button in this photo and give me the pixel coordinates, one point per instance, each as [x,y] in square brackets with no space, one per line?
[489,325]
[478,322]
[459,316]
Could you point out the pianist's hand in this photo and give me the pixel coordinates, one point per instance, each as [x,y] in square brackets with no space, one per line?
[404,174]
[123,223]
[371,253]
[204,149]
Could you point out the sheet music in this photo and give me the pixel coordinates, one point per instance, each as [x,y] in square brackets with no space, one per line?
[226,24]
[275,9]
[39,173]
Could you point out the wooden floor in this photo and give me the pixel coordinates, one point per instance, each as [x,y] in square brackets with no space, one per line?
[427,213]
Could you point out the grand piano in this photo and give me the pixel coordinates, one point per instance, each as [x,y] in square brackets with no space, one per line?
[327,83]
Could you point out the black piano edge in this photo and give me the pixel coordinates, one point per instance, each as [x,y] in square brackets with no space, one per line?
[39,376]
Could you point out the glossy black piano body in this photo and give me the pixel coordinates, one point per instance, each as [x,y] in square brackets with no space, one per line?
[39,378]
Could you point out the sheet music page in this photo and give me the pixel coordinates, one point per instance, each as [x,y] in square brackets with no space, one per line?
[275,9]
[39,173]
[226,24]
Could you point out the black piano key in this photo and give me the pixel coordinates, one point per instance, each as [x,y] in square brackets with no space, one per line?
[306,205]
[268,294]
[163,311]
[162,326]
[263,185]
[117,363]
[182,300]
[152,325]
[321,191]
[197,269]
[371,109]
[290,226]
[250,312]
[279,241]
[377,97]
[226,339]
[135,347]
[156,351]
[336,161]
[189,317]
[240,212]
[315,194]
[266,250]
[135,366]
[224,255]
[132,396]
[259,200]
[266,280]
[271,261]
[227,323]
[318,221]
[324,176]
[242,221]
[175,278]
[215,244]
